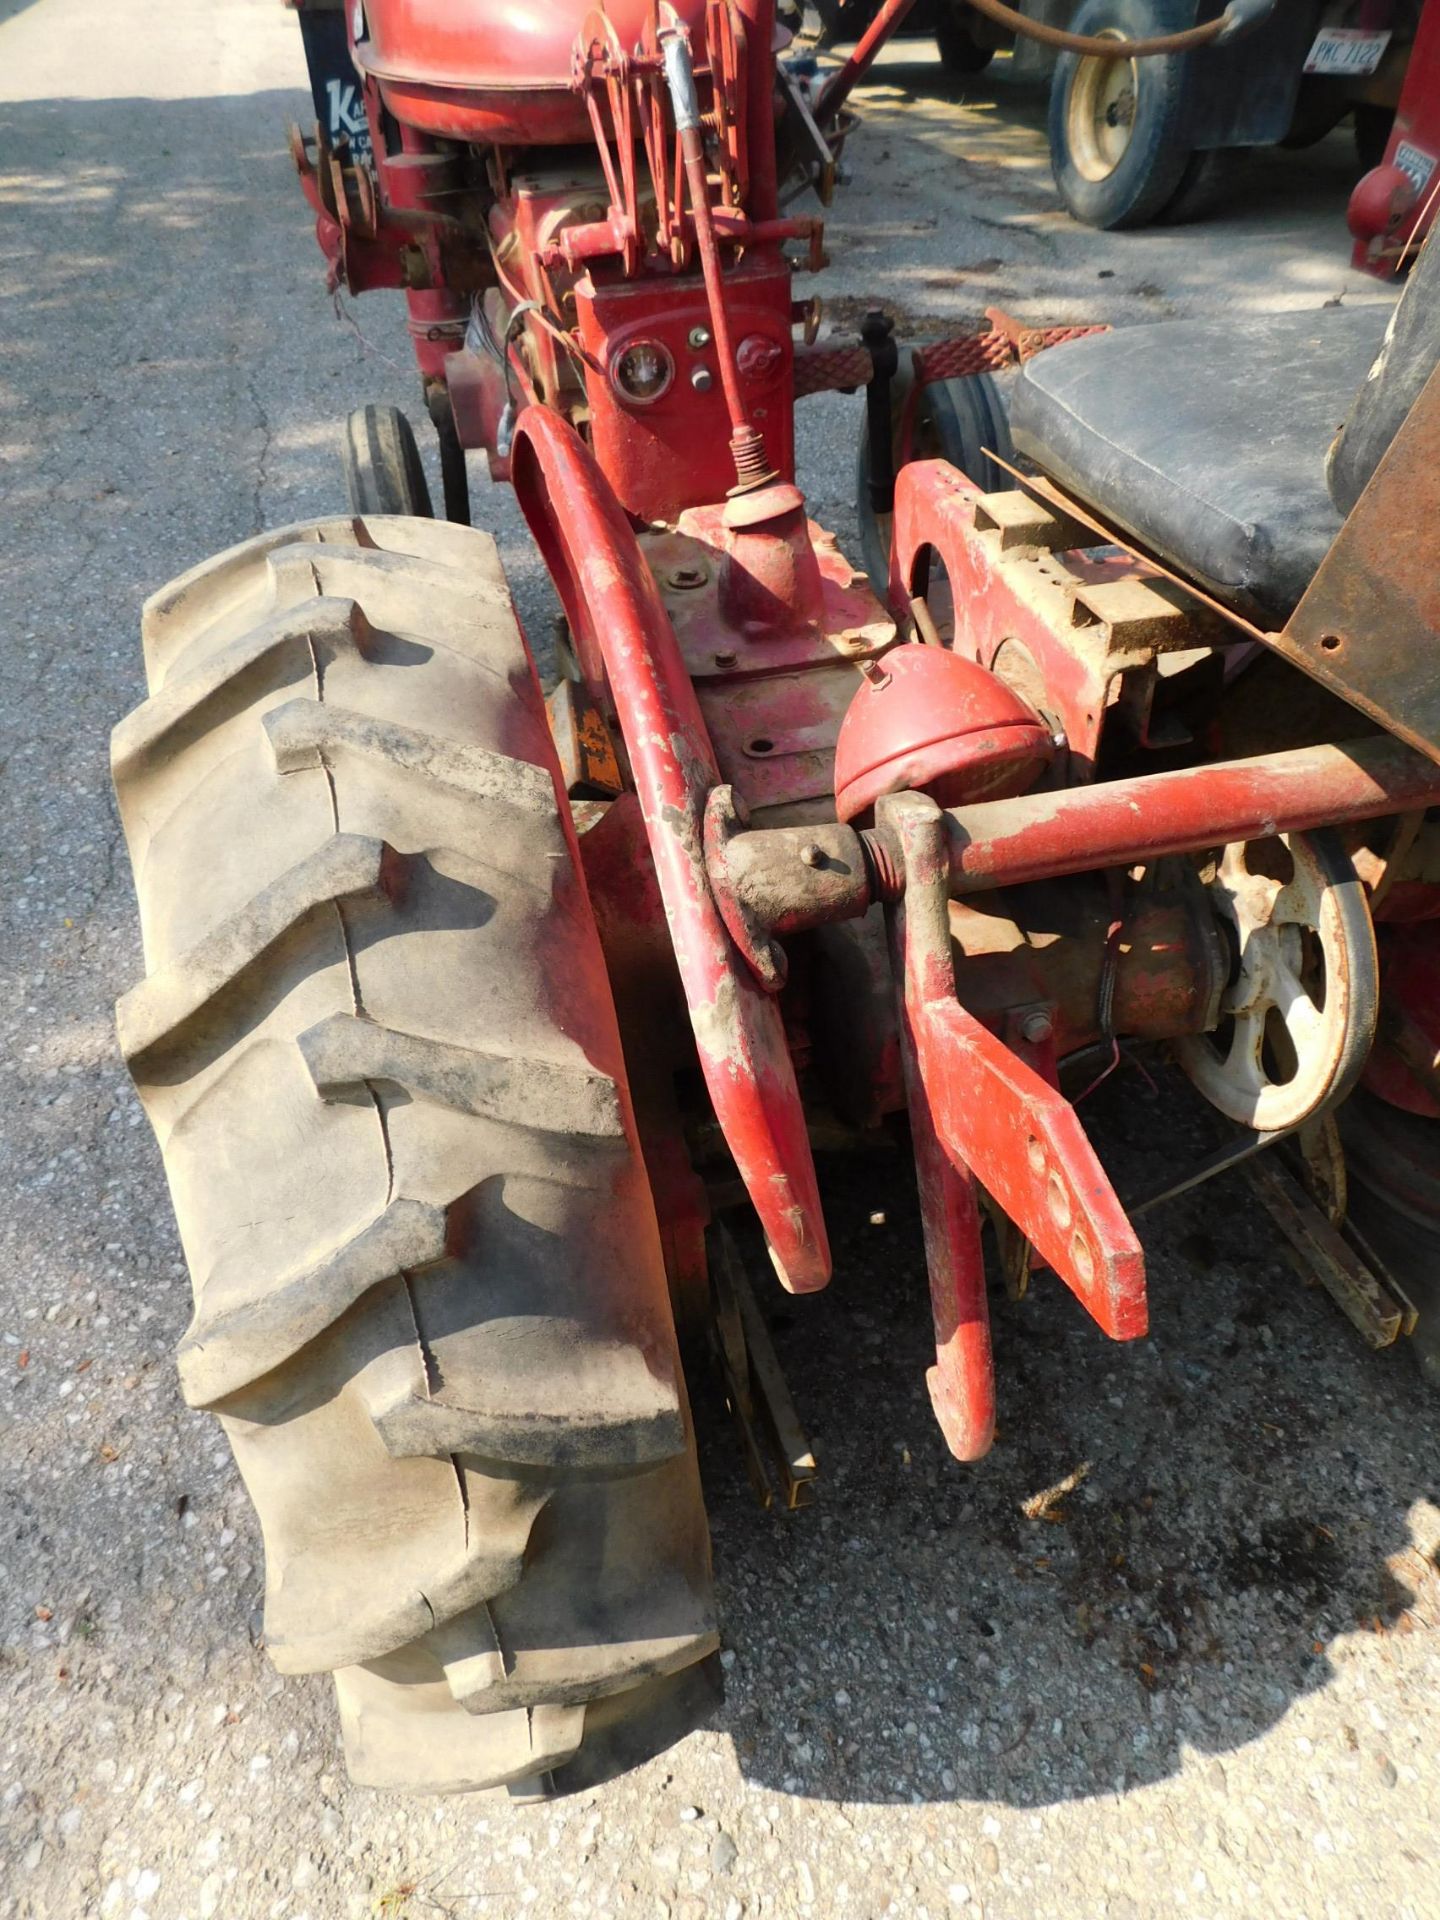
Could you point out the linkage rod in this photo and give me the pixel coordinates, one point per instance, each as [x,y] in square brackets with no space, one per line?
[789,878]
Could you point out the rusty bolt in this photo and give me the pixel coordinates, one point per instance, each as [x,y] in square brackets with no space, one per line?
[811,855]
[726,659]
[686,579]
[1036,1027]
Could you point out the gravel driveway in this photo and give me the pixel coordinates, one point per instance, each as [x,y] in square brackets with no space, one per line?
[1203,1686]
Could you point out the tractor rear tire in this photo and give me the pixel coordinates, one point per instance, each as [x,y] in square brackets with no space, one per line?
[377,1045]
[383,469]
[1392,1159]
[963,421]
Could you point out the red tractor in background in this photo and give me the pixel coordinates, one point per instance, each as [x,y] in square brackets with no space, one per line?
[1393,207]
[468,1009]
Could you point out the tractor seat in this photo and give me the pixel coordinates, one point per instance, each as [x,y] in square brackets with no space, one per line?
[1206,440]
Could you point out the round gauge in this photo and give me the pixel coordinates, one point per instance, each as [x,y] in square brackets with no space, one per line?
[642,372]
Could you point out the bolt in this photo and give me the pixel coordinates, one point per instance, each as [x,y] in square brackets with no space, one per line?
[1036,1027]
[699,337]
[701,379]
[726,659]
[812,855]
[686,579]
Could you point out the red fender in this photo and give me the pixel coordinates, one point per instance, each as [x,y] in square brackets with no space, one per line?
[617,617]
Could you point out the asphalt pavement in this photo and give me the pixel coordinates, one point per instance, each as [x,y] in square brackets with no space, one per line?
[1204,1685]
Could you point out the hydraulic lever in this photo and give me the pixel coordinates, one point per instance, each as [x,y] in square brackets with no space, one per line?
[747,444]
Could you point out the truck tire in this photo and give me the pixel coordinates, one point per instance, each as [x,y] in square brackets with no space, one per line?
[383,469]
[1373,126]
[1209,178]
[1117,139]
[960,52]
[377,1045]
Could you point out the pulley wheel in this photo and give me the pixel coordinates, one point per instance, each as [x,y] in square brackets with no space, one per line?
[1297,1017]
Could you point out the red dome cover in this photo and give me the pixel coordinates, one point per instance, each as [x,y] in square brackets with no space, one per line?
[936,722]
[495,43]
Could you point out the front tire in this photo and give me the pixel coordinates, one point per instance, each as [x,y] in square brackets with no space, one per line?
[1117,127]
[383,469]
[377,1046]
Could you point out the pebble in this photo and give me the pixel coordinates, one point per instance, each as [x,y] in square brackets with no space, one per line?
[723,1853]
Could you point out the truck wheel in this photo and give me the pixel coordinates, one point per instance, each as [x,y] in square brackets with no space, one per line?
[376,1043]
[1208,179]
[383,470]
[1117,144]
[960,52]
[961,421]
[1373,126]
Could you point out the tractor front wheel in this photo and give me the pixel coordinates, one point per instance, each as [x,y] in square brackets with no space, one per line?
[377,1045]
[383,469]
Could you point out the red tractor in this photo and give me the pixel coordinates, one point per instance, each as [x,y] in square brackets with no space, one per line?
[468,1008]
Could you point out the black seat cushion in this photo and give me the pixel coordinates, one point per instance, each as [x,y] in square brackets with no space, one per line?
[1406,361]
[1206,439]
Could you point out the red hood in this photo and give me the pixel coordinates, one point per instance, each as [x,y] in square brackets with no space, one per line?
[489,44]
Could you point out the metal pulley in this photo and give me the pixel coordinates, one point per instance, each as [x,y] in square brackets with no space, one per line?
[1297,1018]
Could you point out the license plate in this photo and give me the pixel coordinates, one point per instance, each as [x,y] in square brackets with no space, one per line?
[1346,50]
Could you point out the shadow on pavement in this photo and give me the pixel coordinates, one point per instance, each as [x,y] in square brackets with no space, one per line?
[1247,1472]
